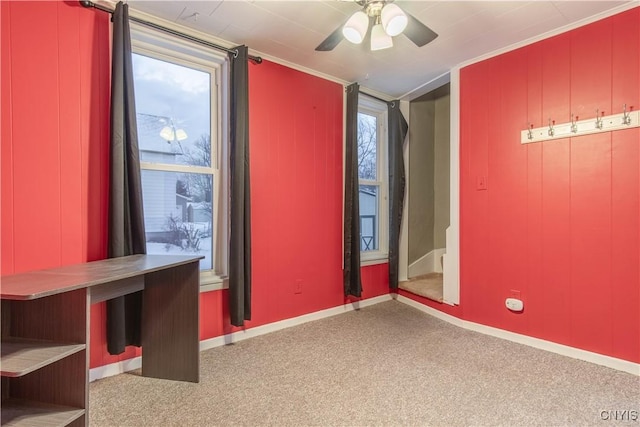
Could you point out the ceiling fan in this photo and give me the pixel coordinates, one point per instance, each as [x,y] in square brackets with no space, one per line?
[379,20]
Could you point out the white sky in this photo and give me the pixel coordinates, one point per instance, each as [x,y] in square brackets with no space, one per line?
[175,91]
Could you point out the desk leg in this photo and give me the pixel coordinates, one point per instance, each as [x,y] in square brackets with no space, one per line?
[170,324]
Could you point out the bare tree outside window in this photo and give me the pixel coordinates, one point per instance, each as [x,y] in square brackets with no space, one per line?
[367,145]
[371,140]
[199,185]
[368,174]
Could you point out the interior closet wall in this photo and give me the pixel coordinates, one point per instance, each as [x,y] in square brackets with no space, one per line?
[429,148]
[442,148]
[421,178]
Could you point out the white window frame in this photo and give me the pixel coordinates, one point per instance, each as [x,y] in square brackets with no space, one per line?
[373,107]
[166,47]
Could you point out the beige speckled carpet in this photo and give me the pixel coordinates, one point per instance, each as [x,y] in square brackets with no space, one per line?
[428,285]
[385,365]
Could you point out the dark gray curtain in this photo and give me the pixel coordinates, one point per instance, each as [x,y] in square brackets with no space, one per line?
[397,133]
[352,280]
[240,230]
[126,217]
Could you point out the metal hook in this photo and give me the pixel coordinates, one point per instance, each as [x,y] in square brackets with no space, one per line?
[551,130]
[599,119]
[574,124]
[626,116]
[235,53]
[530,131]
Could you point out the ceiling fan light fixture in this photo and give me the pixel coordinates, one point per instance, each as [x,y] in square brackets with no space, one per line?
[394,20]
[356,27]
[379,38]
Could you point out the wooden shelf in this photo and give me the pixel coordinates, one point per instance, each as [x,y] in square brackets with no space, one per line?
[44,338]
[19,412]
[21,356]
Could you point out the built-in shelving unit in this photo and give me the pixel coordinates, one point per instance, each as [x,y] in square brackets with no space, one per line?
[44,357]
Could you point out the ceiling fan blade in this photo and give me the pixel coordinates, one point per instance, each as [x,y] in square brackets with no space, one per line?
[332,41]
[417,32]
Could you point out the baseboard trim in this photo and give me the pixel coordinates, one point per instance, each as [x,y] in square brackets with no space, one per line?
[422,265]
[136,363]
[588,356]
[287,323]
[428,263]
[115,368]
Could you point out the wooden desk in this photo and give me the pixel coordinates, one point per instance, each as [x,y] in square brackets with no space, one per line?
[45,331]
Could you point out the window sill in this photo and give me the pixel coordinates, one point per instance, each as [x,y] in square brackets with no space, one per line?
[373,258]
[210,282]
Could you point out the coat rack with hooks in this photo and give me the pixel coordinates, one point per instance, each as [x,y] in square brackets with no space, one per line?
[600,123]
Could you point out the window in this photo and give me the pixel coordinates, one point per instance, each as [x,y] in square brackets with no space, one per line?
[182,155]
[372,174]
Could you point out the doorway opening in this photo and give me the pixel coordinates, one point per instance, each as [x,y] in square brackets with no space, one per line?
[429,192]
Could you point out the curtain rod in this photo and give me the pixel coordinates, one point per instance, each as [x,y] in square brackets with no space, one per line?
[393,103]
[90,4]
[375,97]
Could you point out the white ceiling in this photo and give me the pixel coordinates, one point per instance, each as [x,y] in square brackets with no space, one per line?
[290,31]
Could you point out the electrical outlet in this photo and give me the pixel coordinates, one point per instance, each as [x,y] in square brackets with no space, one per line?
[297,287]
[514,304]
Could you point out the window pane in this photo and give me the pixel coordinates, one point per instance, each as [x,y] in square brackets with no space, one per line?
[173,106]
[367,145]
[369,218]
[177,214]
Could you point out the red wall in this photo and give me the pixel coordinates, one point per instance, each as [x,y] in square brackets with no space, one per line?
[560,221]
[54,133]
[295,127]
[55,116]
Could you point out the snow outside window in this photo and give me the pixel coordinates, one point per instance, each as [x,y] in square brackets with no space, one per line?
[182,152]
